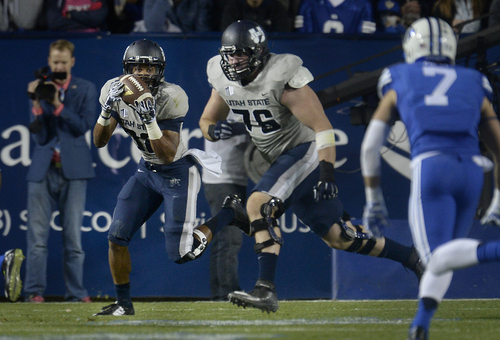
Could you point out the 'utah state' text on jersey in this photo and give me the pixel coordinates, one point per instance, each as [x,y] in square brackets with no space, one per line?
[335,16]
[273,128]
[439,104]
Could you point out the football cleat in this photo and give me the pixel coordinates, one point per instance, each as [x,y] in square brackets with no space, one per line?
[116,309]
[417,333]
[240,218]
[415,264]
[263,297]
[11,267]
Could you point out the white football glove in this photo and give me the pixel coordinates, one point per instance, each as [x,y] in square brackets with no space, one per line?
[146,109]
[492,215]
[115,90]
[375,218]
[375,215]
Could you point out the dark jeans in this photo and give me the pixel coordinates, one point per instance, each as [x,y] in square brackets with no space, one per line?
[226,244]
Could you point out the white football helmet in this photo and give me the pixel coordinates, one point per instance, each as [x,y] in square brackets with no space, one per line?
[430,38]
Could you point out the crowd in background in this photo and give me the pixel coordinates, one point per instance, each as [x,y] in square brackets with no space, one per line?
[192,16]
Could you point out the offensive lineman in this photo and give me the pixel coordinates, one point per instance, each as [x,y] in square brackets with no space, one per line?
[167,173]
[269,93]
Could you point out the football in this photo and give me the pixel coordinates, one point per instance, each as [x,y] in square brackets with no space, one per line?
[134,89]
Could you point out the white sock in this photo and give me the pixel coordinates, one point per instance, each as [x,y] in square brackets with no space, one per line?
[453,255]
[434,286]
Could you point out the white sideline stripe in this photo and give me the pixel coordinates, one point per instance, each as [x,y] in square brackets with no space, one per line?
[289,322]
[131,336]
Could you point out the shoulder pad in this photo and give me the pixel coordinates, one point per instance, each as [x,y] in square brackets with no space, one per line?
[214,71]
[171,101]
[288,68]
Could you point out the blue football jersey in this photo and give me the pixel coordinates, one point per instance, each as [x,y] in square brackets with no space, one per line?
[439,104]
[335,16]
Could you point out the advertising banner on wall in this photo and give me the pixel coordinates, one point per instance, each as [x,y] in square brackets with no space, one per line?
[307,268]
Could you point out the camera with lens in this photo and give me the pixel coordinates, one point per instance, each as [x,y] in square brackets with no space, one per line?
[46,91]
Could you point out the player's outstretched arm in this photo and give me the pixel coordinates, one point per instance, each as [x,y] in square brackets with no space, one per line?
[375,215]
[215,110]
[305,105]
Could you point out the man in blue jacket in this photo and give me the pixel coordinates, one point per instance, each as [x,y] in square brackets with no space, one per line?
[62,111]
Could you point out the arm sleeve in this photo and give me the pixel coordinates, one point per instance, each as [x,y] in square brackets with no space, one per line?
[375,135]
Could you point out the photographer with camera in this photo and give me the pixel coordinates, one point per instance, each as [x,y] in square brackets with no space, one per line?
[62,110]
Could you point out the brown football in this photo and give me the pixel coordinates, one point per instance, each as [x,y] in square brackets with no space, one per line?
[135,89]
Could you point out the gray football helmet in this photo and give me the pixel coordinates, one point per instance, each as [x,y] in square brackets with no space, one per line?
[243,37]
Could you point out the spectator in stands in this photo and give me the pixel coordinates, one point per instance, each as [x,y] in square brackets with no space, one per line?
[77,15]
[177,16]
[335,16]
[389,17]
[125,16]
[61,165]
[20,14]
[270,14]
[494,13]
[455,12]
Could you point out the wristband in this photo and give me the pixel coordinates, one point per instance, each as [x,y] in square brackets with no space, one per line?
[154,131]
[103,120]
[326,171]
[105,114]
[325,139]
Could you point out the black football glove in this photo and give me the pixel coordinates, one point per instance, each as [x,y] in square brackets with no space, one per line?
[326,189]
[225,129]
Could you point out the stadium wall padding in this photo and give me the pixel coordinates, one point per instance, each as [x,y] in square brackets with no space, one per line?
[307,268]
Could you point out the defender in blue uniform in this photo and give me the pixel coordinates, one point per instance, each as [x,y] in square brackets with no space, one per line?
[443,107]
[167,174]
[269,93]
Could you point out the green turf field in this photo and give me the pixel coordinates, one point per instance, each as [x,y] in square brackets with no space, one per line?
[456,319]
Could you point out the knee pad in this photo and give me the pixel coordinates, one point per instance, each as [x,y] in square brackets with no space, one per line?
[266,224]
[270,212]
[357,238]
[275,205]
[199,247]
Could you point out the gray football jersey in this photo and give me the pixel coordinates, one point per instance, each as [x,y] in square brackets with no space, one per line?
[273,128]
[171,103]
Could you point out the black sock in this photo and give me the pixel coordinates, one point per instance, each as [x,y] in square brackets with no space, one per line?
[123,295]
[219,221]
[267,266]
[396,251]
